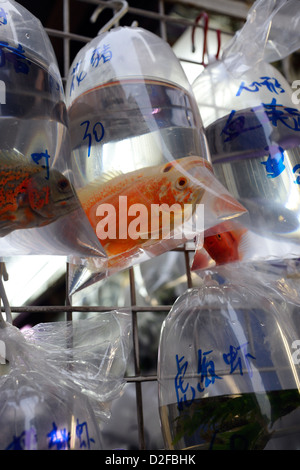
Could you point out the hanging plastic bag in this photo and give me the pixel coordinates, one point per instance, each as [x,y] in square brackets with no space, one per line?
[228,366]
[251,119]
[41,409]
[39,209]
[91,352]
[139,151]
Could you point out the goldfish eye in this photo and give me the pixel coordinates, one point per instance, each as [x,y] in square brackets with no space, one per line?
[181,182]
[63,185]
[219,237]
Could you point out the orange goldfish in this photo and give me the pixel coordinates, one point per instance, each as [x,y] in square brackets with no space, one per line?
[29,197]
[223,246]
[175,184]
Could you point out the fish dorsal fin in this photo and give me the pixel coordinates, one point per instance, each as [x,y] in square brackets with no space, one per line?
[108,176]
[107,183]
[105,178]
[12,156]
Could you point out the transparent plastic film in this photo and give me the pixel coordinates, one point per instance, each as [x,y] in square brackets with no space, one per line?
[39,209]
[41,409]
[139,153]
[92,352]
[228,366]
[273,38]
[163,208]
[251,118]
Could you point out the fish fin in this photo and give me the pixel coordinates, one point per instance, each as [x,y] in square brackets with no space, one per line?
[109,175]
[12,156]
[244,244]
[102,179]
[201,260]
[92,188]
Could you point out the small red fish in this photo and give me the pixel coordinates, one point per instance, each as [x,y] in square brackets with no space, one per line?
[223,246]
[29,197]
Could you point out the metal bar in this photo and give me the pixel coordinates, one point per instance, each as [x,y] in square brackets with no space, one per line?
[86,308]
[67,35]
[222,7]
[66,26]
[138,386]
[163,28]
[141,378]
[157,16]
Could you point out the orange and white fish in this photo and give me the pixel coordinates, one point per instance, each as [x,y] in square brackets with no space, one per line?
[178,183]
[223,246]
[29,196]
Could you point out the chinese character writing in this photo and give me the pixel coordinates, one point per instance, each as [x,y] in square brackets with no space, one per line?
[206,369]
[99,55]
[3,16]
[275,113]
[274,165]
[59,438]
[77,76]
[182,386]
[14,55]
[271,84]
[83,435]
[206,372]
[296,170]
[236,125]
[266,113]
[36,157]
[235,356]
[25,441]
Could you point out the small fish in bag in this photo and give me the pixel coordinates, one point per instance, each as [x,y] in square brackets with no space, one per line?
[30,195]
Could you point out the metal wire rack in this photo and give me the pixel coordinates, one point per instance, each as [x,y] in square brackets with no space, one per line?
[68,39]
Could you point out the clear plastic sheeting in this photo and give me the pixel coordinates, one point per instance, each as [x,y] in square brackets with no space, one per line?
[251,118]
[139,153]
[40,408]
[92,352]
[40,212]
[228,363]
[58,381]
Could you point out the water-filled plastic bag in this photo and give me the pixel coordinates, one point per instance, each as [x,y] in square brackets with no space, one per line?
[228,364]
[138,149]
[40,408]
[251,118]
[39,210]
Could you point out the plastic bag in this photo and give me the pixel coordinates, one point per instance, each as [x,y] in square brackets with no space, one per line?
[228,364]
[91,352]
[140,159]
[40,212]
[41,409]
[251,119]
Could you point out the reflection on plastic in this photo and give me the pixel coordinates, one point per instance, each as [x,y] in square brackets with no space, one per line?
[253,130]
[36,190]
[59,380]
[227,379]
[138,146]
